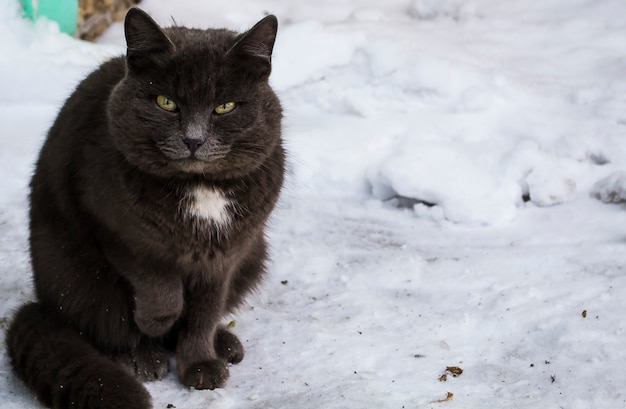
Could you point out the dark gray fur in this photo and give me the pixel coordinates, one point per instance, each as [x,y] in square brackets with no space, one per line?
[122,268]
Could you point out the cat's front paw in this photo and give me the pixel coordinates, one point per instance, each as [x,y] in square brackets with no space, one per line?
[147,362]
[154,319]
[155,326]
[228,346]
[206,375]
[158,303]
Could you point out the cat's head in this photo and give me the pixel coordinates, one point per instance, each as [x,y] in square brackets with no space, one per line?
[195,102]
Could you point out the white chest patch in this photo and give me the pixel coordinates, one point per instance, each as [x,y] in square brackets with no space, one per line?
[210,205]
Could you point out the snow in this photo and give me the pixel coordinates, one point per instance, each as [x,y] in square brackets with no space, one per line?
[611,189]
[455,198]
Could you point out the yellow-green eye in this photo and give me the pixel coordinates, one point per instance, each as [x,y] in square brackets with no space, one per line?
[225,108]
[166,103]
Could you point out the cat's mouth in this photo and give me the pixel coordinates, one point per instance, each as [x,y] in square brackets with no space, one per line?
[196,156]
[198,163]
[208,156]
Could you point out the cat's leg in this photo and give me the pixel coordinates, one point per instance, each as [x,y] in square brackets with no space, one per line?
[108,319]
[158,302]
[198,362]
[227,345]
[115,303]
[204,346]
[158,289]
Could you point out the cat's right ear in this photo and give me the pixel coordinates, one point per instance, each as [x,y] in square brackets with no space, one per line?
[145,40]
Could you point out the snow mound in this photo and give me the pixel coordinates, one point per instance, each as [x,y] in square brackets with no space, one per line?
[611,189]
[431,9]
[466,188]
[546,189]
[443,175]
[544,181]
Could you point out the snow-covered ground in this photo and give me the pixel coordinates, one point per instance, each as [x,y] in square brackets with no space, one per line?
[456,199]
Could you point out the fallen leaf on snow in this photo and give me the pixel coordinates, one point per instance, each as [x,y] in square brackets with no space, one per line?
[448,398]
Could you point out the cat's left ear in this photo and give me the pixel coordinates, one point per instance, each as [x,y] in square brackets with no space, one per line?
[256,45]
[145,40]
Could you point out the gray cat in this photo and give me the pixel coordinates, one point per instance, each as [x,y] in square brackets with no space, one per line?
[147,215]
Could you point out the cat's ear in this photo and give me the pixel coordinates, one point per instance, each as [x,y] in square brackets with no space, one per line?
[256,46]
[145,40]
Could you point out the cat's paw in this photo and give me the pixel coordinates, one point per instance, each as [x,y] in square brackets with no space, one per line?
[146,362]
[154,319]
[206,375]
[155,326]
[158,304]
[228,346]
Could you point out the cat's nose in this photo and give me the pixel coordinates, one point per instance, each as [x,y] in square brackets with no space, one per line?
[193,144]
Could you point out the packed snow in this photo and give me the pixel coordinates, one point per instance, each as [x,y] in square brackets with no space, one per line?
[456,199]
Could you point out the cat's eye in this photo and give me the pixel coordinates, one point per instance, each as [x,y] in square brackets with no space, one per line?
[166,103]
[225,108]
